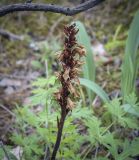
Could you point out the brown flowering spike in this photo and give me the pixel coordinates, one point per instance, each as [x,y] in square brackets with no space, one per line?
[70,62]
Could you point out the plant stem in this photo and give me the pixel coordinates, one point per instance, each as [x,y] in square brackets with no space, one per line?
[59,134]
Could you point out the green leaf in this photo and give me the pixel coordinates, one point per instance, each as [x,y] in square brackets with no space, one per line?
[130,109]
[42,82]
[18,139]
[95,88]
[44,90]
[115,109]
[135,147]
[130,64]
[36,64]
[89,66]
[1,153]
[102,158]
[95,131]
[115,44]
[131,105]
[130,122]
[128,149]
[81,112]
[111,143]
[119,115]
[12,156]
[42,96]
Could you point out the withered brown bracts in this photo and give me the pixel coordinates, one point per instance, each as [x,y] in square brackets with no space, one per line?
[70,61]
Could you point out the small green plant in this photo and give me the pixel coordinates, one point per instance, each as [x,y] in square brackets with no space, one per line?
[130,64]
[36,128]
[110,133]
[115,42]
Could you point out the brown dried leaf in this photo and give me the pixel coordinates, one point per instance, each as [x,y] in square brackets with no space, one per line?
[66,74]
[57,95]
[81,51]
[60,57]
[80,63]
[58,75]
[70,104]
[77,70]
[58,54]
[72,90]
[77,81]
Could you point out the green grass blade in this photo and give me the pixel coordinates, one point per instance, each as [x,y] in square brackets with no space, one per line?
[89,67]
[130,64]
[95,88]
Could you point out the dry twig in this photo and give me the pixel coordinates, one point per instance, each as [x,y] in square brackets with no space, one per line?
[48,8]
[9,35]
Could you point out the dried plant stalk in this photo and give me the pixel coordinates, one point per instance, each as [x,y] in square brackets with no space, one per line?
[68,77]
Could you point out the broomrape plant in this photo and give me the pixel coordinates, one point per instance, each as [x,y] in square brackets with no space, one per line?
[70,62]
[110,135]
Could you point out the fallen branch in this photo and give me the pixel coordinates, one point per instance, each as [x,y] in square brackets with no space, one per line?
[9,35]
[48,8]
[6,109]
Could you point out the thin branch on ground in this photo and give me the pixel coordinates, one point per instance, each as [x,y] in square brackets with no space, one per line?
[6,9]
[9,35]
[6,109]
